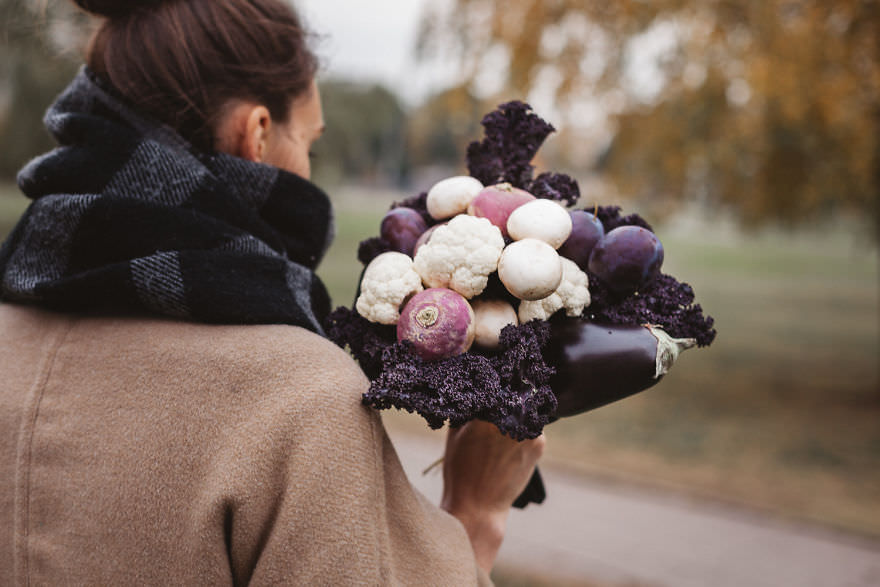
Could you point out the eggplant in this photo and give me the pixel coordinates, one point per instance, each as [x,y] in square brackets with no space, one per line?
[597,363]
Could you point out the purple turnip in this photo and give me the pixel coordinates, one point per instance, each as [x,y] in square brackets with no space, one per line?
[497,202]
[438,322]
[601,363]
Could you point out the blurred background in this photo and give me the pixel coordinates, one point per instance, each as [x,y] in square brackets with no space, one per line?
[747,132]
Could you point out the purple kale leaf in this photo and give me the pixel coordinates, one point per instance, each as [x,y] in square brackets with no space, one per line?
[513,134]
[509,389]
[664,301]
[370,248]
[366,340]
[522,368]
[610,218]
[555,186]
[456,389]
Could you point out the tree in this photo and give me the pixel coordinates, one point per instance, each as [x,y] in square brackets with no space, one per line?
[770,108]
[365,136]
[33,70]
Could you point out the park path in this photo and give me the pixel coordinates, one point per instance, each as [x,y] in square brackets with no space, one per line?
[622,535]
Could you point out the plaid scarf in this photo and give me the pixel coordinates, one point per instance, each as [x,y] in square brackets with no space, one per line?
[128,218]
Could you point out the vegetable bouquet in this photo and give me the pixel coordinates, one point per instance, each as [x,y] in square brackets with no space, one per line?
[492,297]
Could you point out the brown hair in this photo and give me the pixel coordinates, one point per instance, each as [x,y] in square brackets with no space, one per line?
[181,61]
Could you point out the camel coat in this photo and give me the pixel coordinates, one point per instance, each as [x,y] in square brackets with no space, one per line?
[140,451]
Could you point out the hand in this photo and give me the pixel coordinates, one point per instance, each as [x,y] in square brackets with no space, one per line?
[483,473]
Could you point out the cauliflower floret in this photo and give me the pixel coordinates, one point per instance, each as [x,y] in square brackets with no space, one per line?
[387,282]
[461,255]
[573,294]
[542,309]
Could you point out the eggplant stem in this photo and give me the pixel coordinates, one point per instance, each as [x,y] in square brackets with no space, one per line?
[668,349]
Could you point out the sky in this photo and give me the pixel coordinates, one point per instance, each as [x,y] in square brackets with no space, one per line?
[374,41]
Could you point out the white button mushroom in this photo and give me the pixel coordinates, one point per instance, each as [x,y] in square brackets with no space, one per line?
[491,316]
[541,219]
[451,196]
[530,269]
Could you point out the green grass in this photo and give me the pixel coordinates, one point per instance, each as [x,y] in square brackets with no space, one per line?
[12,204]
[780,413]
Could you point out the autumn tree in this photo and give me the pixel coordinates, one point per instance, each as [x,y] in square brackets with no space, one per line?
[769,108]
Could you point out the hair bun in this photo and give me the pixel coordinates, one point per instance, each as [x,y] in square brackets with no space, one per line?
[111,8]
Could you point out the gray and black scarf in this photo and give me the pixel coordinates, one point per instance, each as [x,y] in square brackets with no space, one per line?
[128,218]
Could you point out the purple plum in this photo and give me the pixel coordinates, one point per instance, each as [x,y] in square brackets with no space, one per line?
[627,258]
[586,231]
[401,228]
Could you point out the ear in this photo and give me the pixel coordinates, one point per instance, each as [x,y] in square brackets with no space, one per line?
[257,125]
[244,130]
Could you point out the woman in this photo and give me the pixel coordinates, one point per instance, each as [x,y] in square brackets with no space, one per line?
[170,412]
